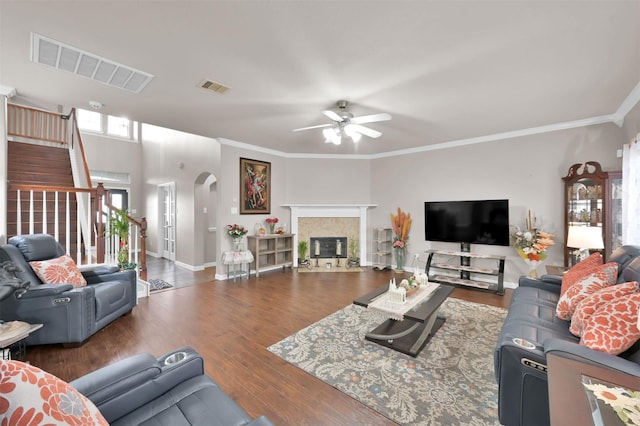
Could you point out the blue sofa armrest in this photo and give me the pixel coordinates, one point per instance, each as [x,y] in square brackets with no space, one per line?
[123,387]
[89,271]
[110,381]
[106,275]
[585,355]
[46,290]
[550,283]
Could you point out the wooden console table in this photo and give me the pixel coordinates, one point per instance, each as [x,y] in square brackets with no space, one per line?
[271,251]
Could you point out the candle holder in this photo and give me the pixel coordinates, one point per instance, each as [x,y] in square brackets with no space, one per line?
[317,261]
[338,262]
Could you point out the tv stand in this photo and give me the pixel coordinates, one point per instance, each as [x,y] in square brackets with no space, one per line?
[485,265]
[465,260]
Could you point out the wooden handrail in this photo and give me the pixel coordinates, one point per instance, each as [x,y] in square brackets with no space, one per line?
[76,132]
[23,187]
[93,207]
[141,224]
[37,124]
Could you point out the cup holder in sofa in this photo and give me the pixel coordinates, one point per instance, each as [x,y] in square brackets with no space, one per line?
[175,358]
[523,343]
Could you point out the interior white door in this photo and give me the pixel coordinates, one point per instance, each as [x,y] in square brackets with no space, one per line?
[167,220]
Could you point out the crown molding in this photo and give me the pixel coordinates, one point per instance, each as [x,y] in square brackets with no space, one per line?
[616,118]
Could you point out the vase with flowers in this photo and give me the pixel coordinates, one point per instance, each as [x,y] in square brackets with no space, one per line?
[271,224]
[401,224]
[531,244]
[236,232]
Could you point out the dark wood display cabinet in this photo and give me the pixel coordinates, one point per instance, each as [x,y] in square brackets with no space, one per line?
[593,197]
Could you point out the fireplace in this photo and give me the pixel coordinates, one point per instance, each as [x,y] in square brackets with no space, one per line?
[328,247]
[325,220]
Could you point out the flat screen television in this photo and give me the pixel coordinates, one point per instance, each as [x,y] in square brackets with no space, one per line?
[467,222]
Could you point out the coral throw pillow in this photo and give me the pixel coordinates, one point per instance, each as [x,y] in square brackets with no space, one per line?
[613,328]
[31,396]
[61,270]
[591,303]
[580,270]
[604,276]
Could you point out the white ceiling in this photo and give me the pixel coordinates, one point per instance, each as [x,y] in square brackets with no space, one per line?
[446,71]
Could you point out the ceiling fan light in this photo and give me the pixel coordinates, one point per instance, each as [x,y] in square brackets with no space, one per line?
[349,130]
[356,137]
[328,133]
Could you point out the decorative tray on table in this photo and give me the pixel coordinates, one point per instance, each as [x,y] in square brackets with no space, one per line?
[407,288]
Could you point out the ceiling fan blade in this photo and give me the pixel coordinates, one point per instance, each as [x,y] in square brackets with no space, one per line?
[332,115]
[383,116]
[366,131]
[312,127]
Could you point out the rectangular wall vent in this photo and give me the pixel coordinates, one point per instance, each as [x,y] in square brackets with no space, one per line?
[213,86]
[61,56]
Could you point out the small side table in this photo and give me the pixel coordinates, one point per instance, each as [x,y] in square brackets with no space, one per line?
[556,270]
[235,259]
[12,335]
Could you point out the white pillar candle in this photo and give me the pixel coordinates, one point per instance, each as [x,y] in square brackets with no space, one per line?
[338,248]
[317,246]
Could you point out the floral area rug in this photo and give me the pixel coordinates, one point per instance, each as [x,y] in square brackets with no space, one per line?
[451,382]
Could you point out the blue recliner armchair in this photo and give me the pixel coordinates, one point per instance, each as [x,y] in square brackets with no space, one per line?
[69,315]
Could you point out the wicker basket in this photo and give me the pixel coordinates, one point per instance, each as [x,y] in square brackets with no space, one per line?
[413,291]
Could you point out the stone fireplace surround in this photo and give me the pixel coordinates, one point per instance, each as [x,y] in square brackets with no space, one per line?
[328,214]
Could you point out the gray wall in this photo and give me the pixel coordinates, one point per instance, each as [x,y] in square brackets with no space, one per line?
[526,170]
[188,160]
[117,155]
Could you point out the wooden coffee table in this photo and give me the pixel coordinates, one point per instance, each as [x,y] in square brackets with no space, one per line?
[412,334]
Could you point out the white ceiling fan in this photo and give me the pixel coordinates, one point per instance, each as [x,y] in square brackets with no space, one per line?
[345,124]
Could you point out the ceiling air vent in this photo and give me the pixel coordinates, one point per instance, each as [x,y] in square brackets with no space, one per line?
[213,86]
[58,55]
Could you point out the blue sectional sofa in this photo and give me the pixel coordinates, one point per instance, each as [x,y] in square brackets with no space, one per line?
[530,329]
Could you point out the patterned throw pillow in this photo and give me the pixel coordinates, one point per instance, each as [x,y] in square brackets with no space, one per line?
[613,327]
[580,270]
[31,396]
[591,303]
[61,270]
[604,276]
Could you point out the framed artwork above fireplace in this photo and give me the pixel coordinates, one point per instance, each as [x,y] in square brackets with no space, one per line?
[255,187]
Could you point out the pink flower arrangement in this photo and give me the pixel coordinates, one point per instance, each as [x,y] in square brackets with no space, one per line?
[398,244]
[271,220]
[236,231]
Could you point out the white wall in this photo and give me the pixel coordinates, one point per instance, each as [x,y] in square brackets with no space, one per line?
[328,181]
[526,170]
[173,156]
[229,192]
[117,155]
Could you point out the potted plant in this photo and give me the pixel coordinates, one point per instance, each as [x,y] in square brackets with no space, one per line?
[119,227]
[303,246]
[354,250]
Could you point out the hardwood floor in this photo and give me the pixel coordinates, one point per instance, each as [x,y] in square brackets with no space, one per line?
[231,325]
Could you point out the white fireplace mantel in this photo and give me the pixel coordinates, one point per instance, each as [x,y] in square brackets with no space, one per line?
[330,210]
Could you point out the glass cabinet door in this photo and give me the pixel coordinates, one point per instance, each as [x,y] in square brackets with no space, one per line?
[586,203]
[614,239]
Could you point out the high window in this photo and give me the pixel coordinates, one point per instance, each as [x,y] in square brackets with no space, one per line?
[108,125]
